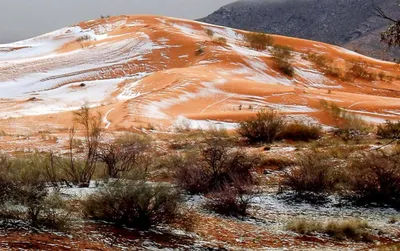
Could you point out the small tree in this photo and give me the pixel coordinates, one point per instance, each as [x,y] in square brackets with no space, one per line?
[264,128]
[76,171]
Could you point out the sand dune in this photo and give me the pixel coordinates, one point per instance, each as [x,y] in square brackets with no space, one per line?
[144,69]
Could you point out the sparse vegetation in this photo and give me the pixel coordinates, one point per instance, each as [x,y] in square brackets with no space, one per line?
[200,50]
[325,64]
[282,57]
[258,40]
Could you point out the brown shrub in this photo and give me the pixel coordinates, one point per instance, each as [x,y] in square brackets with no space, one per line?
[314,173]
[299,131]
[375,177]
[229,201]
[220,41]
[214,167]
[258,40]
[359,69]
[264,128]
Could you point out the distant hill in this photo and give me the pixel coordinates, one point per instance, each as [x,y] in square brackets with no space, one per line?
[348,23]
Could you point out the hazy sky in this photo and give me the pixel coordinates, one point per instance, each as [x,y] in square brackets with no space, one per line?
[21,19]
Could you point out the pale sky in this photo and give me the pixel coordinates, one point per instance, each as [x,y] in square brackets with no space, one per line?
[21,19]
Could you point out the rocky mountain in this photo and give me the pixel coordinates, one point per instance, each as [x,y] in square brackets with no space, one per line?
[349,23]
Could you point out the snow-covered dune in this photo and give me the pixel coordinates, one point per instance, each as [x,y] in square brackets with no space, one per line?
[141,69]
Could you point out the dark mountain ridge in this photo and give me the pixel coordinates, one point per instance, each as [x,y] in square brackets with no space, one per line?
[349,23]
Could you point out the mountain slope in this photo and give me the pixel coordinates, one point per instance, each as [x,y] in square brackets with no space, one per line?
[349,23]
[144,69]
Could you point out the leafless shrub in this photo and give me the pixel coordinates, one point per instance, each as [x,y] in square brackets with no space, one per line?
[123,155]
[229,201]
[220,41]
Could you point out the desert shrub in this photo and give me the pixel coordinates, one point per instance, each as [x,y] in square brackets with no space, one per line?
[325,64]
[389,130]
[299,131]
[264,128]
[258,40]
[27,197]
[282,56]
[213,167]
[313,174]
[359,70]
[220,41]
[353,229]
[200,50]
[133,204]
[229,201]
[375,177]
[124,154]
[209,32]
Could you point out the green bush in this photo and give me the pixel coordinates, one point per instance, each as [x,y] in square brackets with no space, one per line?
[133,204]
[264,128]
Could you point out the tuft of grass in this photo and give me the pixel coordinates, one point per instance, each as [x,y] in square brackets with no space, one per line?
[220,41]
[353,229]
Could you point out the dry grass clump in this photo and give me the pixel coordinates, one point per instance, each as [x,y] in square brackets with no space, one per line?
[282,56]
[264,128]
[299,131]
[258,40]
[279,162]
[353,229]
